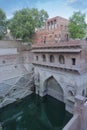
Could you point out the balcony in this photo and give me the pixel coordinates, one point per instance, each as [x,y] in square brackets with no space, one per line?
[59,66]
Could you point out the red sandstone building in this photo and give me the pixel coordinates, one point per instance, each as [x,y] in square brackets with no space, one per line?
[56,29]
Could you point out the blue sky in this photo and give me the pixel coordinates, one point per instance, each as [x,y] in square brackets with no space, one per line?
[54,8]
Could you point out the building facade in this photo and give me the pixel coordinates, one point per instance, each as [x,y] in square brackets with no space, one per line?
[56,30]
[60,67]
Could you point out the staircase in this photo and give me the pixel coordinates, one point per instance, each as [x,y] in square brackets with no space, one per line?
[20,88]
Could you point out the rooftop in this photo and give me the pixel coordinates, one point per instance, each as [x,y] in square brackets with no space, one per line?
[57,17]
[72,43]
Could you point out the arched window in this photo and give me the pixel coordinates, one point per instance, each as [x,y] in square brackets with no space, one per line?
[51,58]
[70,93]
[44,57]
[61,59]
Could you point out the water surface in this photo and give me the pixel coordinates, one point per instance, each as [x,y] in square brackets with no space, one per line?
[35,113]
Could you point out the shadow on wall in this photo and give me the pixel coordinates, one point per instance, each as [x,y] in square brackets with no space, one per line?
[53,88]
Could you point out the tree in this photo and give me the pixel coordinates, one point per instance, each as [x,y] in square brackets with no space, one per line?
[24,22]
[2,23]
[77,25]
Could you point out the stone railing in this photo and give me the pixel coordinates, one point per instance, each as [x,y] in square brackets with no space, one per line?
[73,123]
[79,119]
[60,66]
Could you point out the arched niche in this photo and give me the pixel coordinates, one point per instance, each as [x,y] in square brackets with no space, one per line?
[61,59]
[53,88]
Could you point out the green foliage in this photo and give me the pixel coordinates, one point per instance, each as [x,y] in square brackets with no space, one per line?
[24,22]
[77,25]
[2,24]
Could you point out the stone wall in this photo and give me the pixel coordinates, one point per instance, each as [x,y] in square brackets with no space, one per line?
[70,83]
[16,72]
[16,88]
[27,57]
[13,61]
[79,119]
[74,123]
[10,44]
[67,59]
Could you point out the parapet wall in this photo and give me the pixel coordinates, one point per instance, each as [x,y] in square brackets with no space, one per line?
[74,123]
[79,119]
[10,44]
[13,60]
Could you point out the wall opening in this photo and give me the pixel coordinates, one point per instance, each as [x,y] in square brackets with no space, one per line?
[44,58]
[73,61]
[36,58]
[53,88]
[70,93]
[61,59]
[83,92]
[52,58]
[3,61]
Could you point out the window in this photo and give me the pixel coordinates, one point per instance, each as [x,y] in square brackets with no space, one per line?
[61,59]
[3,62]
[49,25]
[83,92]
[73,61]
[55,24]
[51,58]
[44,57]
[70,93]
[52,25]
[36,58]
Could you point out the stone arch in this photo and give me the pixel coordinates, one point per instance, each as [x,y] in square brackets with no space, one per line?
[71,91]
[53,88]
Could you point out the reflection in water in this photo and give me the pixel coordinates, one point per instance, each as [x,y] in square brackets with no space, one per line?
[35,113]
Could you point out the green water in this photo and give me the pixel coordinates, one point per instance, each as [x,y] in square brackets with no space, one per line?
[35,113]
